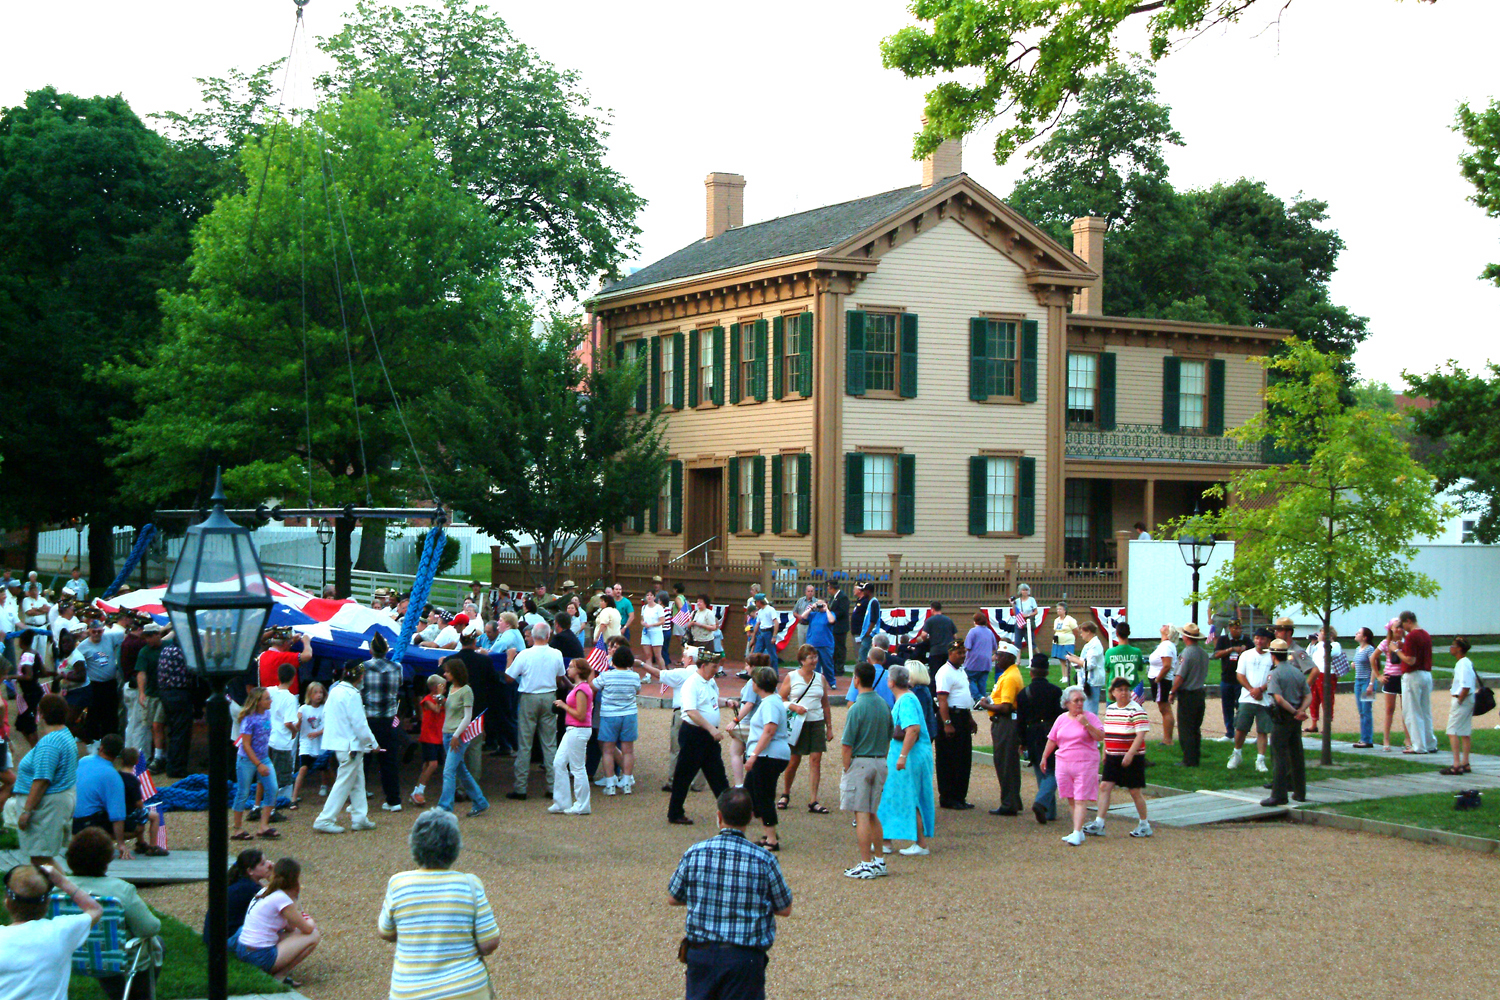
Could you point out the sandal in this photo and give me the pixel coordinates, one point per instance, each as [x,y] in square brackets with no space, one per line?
[243,835]
[1452,769]
[783,802]
[1465,768]
[768,845]
[269,834]
[817,807]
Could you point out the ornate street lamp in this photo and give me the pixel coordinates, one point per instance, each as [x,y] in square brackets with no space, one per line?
[218,603]
[1196,551]
[325,535]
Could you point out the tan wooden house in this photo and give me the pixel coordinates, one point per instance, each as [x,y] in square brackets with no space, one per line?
[919,371]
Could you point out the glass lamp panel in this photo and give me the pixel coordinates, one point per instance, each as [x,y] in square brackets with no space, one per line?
[181,586]
[1187,546]
[1203,549]
[252,580]
[252,624]
[182,626]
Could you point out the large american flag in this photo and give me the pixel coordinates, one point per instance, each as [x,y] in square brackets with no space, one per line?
[473,729]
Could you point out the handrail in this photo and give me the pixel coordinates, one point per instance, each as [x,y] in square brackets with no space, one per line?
[695,548]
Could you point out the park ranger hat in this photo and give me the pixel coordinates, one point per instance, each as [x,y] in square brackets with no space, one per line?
[1279,646]
[504,588]
[1282,623]
[569,585]
[1190,631]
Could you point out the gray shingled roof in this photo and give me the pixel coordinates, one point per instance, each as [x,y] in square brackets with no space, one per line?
[805,232]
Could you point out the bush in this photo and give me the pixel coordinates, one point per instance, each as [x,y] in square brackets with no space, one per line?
[450,552]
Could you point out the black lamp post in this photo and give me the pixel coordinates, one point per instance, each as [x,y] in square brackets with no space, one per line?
[1196,552]
[218,603]
[325,535]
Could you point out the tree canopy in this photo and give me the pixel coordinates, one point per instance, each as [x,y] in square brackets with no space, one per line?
[1460,417]
[558,456]
[1480,165]
[1032,57]
[1232,253]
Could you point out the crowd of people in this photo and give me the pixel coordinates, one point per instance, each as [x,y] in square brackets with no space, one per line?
[103,702]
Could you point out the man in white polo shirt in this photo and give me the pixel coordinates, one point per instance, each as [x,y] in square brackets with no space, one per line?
[535,671]
[1251,671]
[675,678]
[699,741]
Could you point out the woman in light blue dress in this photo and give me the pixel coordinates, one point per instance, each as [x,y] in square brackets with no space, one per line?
[908,783]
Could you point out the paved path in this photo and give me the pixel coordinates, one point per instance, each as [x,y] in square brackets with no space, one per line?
[1201,807]
[179,866]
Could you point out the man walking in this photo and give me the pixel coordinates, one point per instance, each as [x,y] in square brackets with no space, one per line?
[1037,708]
[766,621]
[733,891]
[869,623]
[1254,704]
[1227,650]
[838,603]
[955,742]
[535,671]
[1188,693]
[1416,686]
[1290,694]
[867,738]
[939,631]
[1005,734]
[698,742]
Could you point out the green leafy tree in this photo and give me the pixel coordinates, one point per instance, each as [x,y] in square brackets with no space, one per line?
[227,385]
[1032,56]
[559,457]
[1460,417]
[1233,253]
[96,214]
[1480,165]
[1332,528]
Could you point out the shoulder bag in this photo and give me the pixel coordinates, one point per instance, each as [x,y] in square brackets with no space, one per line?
[795,720]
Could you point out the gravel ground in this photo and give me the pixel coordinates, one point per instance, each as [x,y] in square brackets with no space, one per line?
[581,901]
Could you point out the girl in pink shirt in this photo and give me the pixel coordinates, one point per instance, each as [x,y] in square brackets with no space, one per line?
[570,778]
[1075,740]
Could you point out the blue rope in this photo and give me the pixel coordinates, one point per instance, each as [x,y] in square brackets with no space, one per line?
[142,539]
[432,554]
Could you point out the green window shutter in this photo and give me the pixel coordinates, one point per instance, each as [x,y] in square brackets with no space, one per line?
[760,360]
[1213,420]
[692,369]
[776,484]
[1026,497]
[1171,390]
[908,355]
[906,494]
[679,370]
[1104,412]
[1101,518]
[655,373]
[718,399]
[1028,360]
[854,493]
[642,394]
[778,348]
[805,349]
[854,350]
[978,485]
[675,521]
[758,497]
[734,362]
[804,494]
[651,518]
[732,509]
[979,362]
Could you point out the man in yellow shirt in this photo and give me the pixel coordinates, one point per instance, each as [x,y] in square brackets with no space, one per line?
[1005,732]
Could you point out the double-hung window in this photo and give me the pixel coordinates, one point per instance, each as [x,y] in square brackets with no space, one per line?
[1192,398]
[705,373]
[668,372]
[881,336]
[1000,495]
[1083,388]
[880,493]
[745,501]
[1001,379]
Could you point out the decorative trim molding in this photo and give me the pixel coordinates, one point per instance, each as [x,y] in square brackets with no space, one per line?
[1148,443]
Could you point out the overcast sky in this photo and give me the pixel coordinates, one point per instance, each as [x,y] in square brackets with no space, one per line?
[1353,108]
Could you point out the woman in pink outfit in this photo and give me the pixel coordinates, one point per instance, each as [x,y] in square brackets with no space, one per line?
[1075,740]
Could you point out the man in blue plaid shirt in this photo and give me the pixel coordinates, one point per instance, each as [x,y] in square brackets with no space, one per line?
[381,691]
[733,891]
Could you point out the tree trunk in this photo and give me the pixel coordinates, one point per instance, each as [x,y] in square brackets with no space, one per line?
[372,547]
[343,534]
[33,540]
[101,543]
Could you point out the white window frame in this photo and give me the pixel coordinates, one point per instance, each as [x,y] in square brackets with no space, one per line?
[1002,474]
[1192,407]
[880,504]
[1082,396]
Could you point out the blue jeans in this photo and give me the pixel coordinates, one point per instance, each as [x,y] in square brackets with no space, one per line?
[1366,710]
[454,771]
[765,642]
[864,648]
[977,684]
[1090,704]
[825,663]
[725,972]
[1229,699]
[1046,787]
[244,795]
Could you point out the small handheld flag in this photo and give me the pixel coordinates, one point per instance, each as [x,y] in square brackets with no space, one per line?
[681,619]
[473,729]
[598,658]
[148,787]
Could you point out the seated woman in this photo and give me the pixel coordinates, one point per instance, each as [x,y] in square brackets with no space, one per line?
[439,919]
[277,935]
[247,876]
[89,854]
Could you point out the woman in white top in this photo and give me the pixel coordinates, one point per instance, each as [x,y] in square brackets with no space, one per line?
[580,626]
[1162,670]
[1090,665]
[607,621]
[346,732]
[276,934]
[1315,680]
[769,751]
[652,614]
[805,694]
[705,625]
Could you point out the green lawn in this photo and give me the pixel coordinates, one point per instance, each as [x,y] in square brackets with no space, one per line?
[1486,738]
[1484,663]
[9,839]
[184,976]
[1211,774]
[1432,812]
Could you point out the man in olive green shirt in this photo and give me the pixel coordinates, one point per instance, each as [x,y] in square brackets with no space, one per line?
[867,738]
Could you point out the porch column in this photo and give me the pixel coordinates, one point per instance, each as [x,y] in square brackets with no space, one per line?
[1149,507]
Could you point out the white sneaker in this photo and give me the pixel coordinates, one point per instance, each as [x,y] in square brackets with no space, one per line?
[391,808]
[1094,828]
[555,808]
[362,824]
[322,791]
[1234,759]
[1260,765]
[1142,829]
[609,789]
[576,810]
[862,870]
[328,828]
[628,786]
[878,867]
[604,782]
[885,849]
[1074,839]
[915,851]
[1223,739]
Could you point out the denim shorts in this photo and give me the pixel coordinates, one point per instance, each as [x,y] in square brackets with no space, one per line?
[618,728]
[262,958]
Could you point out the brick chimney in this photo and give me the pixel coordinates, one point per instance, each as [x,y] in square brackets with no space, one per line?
[1088,243]
[726,202]
[942,163]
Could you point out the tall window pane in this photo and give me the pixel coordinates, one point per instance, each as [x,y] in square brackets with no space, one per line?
[1194,391]
[706,366]
[880,351]
[1083,384]
[747,361]
[668,372]
[880,492]
[747,493]
[1000,495]
[790,509]
[1000,348]
[791,360]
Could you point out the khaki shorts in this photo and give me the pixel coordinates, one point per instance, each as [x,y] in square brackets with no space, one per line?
[153,712]
[50,826]
[1249,712]
[860,788]
[1460,716]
